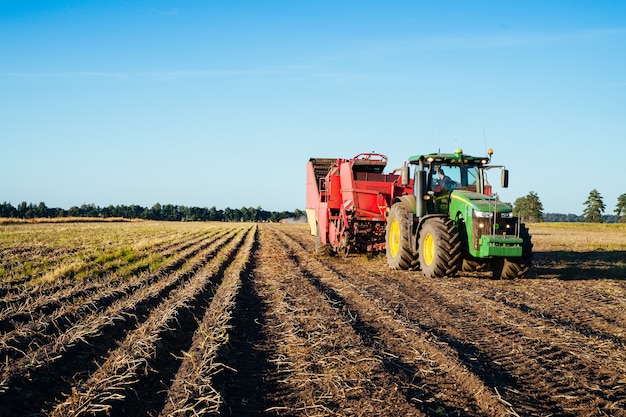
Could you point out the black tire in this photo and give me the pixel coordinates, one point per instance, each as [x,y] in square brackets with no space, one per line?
[474,265]
[518,267]
[322,250]
[440,248]
[398,238]
[497,265]
[470,263]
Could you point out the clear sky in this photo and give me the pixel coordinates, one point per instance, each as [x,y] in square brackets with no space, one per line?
[222,103]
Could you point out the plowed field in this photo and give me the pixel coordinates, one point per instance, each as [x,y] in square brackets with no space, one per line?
[151,319]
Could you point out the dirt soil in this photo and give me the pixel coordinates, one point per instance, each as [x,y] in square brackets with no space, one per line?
[267,328]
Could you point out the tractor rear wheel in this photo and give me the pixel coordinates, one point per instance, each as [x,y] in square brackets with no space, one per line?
[511,268]
[440,252]
[398,238]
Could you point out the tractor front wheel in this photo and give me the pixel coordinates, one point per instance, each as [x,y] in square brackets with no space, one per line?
[398,238]
[439,248]
[474,265]
[511,268]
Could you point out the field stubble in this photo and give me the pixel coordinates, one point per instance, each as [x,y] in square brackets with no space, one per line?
[164,319]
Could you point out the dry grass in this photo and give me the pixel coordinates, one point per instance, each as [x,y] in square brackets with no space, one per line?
[115,378]
[34,254]
[578,237]
[88,323]
[9,220]
[332,336]
[194,392]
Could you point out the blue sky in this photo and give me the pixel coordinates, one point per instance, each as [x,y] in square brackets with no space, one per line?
[222,103]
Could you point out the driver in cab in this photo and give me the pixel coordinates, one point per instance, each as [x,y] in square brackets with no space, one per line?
[443,183]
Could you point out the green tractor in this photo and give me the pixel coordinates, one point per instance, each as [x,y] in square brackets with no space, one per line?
[454,222]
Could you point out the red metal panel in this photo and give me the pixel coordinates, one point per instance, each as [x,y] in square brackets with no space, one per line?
[335,198]
[322,218]
[312,191]
[353,195]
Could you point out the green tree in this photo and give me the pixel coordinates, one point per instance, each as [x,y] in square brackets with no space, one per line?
[245,215]
[297,213]
[170,212]
[594,207]
[215,214]
[22,210]
[529,208]
[156,212]
[41,210]
[228,213]
[7,210]
[620,209]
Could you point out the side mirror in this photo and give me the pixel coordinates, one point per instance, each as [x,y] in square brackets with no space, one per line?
[404,175]
[504,178]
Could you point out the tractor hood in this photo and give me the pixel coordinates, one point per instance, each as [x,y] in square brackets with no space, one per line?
[479,202]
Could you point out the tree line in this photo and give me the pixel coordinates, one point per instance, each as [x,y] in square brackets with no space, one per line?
[529,208]
[168,212]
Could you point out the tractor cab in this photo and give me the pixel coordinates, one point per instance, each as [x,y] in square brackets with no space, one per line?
[439,174]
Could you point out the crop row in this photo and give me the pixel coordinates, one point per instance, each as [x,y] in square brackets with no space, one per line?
[528,347]
[102,335]
[380,354]
[32,256]
[243,319]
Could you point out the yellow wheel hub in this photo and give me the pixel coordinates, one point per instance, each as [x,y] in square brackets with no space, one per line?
[394,238]
[428,251]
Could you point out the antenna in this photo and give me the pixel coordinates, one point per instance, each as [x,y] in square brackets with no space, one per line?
[439,151]
[485,138]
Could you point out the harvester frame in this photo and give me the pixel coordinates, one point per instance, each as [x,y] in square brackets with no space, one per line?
[348,201]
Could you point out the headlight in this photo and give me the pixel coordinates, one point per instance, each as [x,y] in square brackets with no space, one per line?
[508,215]
[483,214]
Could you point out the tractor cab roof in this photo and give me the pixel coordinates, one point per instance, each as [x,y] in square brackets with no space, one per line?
[458,157]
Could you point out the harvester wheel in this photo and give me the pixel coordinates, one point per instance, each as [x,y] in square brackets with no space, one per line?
[511,268]
[398,238]
[344,247]
[320,248]
[440,248]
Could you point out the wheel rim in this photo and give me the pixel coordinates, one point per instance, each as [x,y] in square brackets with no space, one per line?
[428,250]
[394,238]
